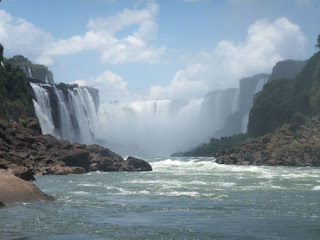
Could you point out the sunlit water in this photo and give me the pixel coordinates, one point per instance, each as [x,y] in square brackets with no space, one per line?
[181,199]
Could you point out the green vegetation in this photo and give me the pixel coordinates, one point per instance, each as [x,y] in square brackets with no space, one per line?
[15,94]
[38,71]
[318,44]
[214,146]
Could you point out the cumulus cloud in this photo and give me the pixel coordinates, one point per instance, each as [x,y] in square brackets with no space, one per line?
[111,86]
[20,36]
[102,37]
[267,42]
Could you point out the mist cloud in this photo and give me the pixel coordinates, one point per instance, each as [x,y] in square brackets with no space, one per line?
[267,42]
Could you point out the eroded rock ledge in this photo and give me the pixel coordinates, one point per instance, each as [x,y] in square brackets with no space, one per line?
[25,151]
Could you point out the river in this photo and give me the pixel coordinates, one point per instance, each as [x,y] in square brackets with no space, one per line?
[183,198]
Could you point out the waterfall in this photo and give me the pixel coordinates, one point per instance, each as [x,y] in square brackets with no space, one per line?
[66,127]
[152,126]
[260,85]
[235,104]
[217,106]
[148,127]
[43,109]
[74,111]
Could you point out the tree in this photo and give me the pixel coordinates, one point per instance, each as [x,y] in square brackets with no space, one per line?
[317,46]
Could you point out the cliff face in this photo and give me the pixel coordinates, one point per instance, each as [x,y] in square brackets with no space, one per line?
[34,71]
[287,69]
[282,98]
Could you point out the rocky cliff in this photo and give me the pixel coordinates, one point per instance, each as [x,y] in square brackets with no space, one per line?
[33,71]
[25,151]
[281,98]
[294,144]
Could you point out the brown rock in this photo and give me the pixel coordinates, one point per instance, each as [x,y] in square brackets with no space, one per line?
[78,158]
[14,189]
[65,170]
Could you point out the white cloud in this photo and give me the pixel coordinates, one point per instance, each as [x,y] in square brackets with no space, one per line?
[110,85]
[101,37]
[267,42]
[21,37]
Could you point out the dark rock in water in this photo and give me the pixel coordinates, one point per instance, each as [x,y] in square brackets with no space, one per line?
[2,204]
[135,164]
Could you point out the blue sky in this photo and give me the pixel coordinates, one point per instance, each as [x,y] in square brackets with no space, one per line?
[140,49]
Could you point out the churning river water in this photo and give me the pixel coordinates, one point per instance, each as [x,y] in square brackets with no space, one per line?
[183,198]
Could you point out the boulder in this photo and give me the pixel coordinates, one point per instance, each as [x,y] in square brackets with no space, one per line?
[78,158]
[14,189]
[135,164]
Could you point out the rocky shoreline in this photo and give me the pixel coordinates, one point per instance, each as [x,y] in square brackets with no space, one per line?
[295,144]
[25,151]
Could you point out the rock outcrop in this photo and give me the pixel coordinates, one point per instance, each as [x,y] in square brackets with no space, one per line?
[14,190]
[294,144]
[24,151]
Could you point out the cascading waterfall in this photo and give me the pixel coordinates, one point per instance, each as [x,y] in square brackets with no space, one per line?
[151,127]
[43,108]
[76,112]
[66,127]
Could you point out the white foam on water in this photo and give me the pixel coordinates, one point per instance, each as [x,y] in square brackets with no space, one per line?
[89,185]
[79,192]
[227,184]
[178,193]
[316,188]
